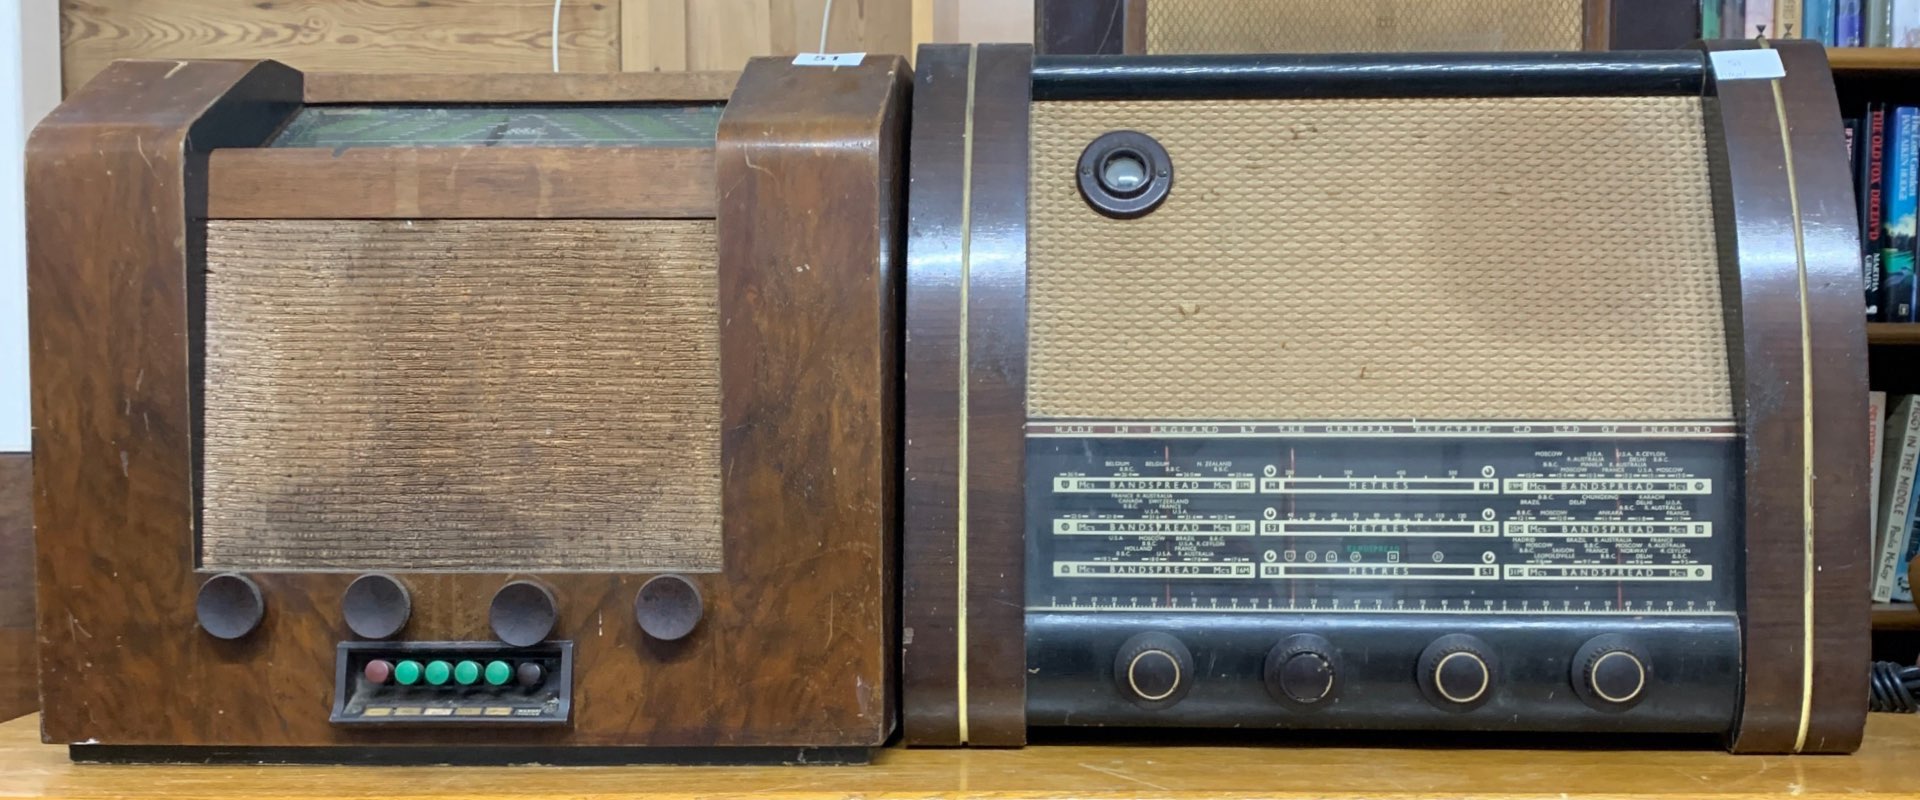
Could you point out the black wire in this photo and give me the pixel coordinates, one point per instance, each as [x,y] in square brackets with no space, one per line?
[1892,688]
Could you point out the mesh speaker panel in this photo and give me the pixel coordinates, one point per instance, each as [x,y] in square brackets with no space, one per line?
[1532,258]
[461,395]
[1335,26]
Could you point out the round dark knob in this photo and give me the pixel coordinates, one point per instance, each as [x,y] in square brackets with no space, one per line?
[1456,672]
[1610,673]
[523,613]
[229,606]
[376,606]
[668,607]
[1153,669]
[1300,671]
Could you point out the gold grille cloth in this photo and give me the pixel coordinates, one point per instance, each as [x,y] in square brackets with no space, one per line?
[461,395]
[1525,258]
[1336,26]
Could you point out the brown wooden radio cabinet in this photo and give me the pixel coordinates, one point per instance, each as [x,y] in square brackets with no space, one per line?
[467,417]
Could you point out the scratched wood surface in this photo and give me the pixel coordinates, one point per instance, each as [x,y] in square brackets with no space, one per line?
[465,36]
[457,36]
[723,34]
[1884,768]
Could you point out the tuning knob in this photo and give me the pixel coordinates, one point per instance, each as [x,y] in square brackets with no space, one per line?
[1300,671]
[1610,673]
[1456,672]
[1153,669]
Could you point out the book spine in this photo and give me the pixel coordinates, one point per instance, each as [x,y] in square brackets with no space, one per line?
[1709,19]
[1733,19]
[1818,22]
[1904,29]
[1876,438]
[1847,30]
[1787,20]
[1759,20]
[1898,492]
[1872,165]
[1878,16]
[1902,591]
[1896,251]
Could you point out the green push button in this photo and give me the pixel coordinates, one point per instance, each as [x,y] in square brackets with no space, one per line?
[466,672]
[406,673]
[438,672]
[498,673]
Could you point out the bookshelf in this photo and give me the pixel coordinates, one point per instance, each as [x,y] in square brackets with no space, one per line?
[1885,73]
[1868,60]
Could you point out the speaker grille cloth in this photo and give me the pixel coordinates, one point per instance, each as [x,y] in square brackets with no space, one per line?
[1335,26]
[1531,258]
[461,395]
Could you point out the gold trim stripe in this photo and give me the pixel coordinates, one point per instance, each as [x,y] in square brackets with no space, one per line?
[966,309]
[1806,420]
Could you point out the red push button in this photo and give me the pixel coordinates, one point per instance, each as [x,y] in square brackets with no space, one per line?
[378,672]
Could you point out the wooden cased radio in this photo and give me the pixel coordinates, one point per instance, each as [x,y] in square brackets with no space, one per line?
[1442,392]
[1173,27]
[529,417]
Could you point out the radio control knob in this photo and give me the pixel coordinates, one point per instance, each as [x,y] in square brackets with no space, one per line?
[1153,669]
[1610,673]
[1456,672]
[1300,671]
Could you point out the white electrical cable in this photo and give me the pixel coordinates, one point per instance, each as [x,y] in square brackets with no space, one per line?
[826,18]
[556,32]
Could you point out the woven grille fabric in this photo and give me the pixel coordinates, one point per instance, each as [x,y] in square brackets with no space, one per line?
[1530,258]
[1335,26]
[461,395]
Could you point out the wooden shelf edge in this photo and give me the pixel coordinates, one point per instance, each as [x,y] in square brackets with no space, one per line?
[1896,617]
[1904,333]
[1851,59]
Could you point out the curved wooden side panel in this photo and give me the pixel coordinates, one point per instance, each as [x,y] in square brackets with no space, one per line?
[1798,344]
[116,195]
[964,529]
[809,169]
[1837,353]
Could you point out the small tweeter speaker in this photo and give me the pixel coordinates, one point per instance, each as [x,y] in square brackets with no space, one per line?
[1125,174]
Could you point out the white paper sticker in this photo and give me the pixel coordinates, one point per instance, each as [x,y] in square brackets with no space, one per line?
[828,59]
[1745,65]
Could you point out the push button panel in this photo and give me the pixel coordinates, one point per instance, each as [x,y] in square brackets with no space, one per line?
[453,683]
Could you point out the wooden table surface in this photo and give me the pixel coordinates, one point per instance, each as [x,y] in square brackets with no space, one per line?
[1889,766]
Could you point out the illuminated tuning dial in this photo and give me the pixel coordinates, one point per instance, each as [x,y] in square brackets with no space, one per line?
[1153,669]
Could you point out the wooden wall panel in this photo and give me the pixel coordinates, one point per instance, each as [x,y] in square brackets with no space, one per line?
[346,35]
[723,34]
[19,689]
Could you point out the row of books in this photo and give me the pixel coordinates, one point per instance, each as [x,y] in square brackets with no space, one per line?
[1896,454]
[1885,144]
[1836,23]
